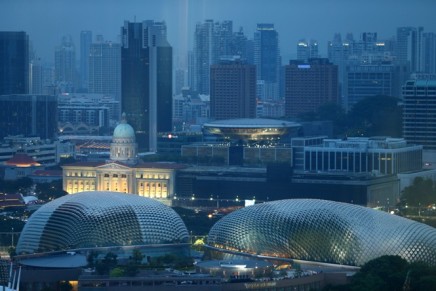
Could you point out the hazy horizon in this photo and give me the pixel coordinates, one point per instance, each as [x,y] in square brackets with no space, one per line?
[46,21]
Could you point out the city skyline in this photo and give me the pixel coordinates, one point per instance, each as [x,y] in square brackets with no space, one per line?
[47,22]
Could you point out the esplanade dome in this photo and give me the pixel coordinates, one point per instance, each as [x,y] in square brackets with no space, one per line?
[124,130]
[320,231]
[101,219]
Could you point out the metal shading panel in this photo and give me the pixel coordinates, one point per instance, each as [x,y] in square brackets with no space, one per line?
[100,219]
[322,231]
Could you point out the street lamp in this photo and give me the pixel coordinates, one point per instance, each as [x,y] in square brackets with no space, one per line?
[12,237]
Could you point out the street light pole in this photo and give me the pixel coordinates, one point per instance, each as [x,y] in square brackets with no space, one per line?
[12,237]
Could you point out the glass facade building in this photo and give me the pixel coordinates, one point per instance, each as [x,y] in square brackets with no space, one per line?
[146,78]
[320,231]
[419,109]
[28,115]
[14,62]
[101,219]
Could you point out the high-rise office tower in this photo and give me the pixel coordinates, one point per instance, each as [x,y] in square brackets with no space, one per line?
[191,70]
[85,44]
[309,85]
[36,80]
[408,50]
[146,80]
[29,115]
[303,50]
[314,52]
[419,107]
[241,46]
[429,53]
[105,68]
[307,50]
[203,55]
[14,62]
[267,59]
[213,40]
[371,79]
[65,64]
[233,90]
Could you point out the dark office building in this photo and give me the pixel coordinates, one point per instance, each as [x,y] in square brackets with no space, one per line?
[419,107]
[14,62]
[29,115]
[146,78]
[232,90]
[309,85]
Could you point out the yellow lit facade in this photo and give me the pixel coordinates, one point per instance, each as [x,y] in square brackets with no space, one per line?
[123,172]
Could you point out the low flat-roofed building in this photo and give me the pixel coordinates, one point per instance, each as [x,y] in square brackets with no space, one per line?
[373,155]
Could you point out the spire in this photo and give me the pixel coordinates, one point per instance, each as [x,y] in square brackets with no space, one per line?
[123,118]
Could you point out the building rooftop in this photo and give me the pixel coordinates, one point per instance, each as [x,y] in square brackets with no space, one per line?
[251,123]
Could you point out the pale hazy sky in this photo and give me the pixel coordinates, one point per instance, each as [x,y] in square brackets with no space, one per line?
[46,21]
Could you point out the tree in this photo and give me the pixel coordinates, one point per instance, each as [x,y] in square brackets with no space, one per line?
[49,191]
[329,111]
[137,257]
[384,274]
[421,192]
[109,262]
[135,260]
[116,272]
[375,116]
[91,259]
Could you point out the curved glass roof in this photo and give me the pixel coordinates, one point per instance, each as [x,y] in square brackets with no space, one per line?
[322,231]
[100,219]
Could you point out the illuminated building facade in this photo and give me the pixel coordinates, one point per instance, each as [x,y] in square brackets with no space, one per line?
[123,172]
[101,219]
[310,230]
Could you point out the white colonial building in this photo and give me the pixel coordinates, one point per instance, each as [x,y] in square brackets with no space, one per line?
[124,172]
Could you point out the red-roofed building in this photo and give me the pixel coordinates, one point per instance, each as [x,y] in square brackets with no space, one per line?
[22,160]
[19,166]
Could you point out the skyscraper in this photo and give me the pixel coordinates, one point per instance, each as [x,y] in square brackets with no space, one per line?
[429,53]
[14,62]
[233,90]
[309,85]
[419,107]
[105,69]
[366,80]
[267,59]
[85,44]
[409,42]
[65,64]
[146,78]
[302,50]
[213,40]
[29,115]
[306,50]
